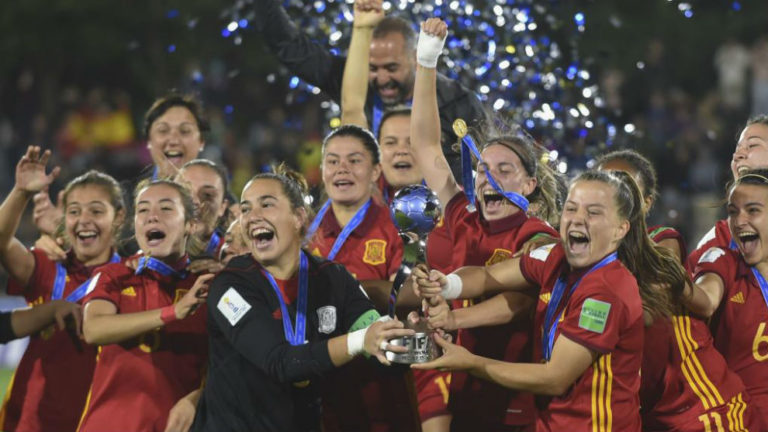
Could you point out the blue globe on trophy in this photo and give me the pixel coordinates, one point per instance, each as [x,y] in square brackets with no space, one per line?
[416,209]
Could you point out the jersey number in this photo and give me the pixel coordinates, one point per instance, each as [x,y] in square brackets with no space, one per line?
[443,382]
[704,418]
[760,339]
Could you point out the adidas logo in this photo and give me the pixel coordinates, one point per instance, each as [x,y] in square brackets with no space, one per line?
[130,292]
[738,298]
[545,297]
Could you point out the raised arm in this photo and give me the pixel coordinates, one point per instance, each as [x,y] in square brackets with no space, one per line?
[704,297]
[354,85]
[102,325]
[30,179]
[425,120]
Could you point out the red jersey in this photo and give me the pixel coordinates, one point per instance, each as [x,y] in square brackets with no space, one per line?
[478,242]
[684,377]
[605,314]
[739,324]
[137,381]
[719,236]
[50,384]
[373,251]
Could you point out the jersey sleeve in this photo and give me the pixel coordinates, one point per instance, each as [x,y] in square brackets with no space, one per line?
[455,211]
[105,287]
[40,283]
[357,309]
[535,263]
[716,260]
[6,330]
[242,315]
[534,228]
[594,315]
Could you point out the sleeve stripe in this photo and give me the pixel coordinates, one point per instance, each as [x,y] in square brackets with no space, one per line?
[691,366]
[602,385]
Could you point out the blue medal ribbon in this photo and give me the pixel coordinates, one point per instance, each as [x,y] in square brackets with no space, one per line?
[79,292]
[155,173]
[356,220]
[468,148]
[732,245]
[297,336]
[763,284]
[213,244]
[160,267]
[550,321]
[378,113]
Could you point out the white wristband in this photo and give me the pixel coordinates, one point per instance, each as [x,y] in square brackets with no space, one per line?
[356,342]
[428,49]
[453,287]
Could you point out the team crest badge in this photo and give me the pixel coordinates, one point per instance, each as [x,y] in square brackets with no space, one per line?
[326,317]
[375,252]
[498,256]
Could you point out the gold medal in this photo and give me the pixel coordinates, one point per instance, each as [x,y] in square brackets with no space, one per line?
[301,384]
[460,128]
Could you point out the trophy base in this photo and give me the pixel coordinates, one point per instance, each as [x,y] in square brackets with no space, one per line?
[421,349]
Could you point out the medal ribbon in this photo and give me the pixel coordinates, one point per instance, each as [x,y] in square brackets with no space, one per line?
[79,292]
[356,220]
[294,336]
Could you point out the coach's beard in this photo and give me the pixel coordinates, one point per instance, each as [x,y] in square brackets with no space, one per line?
[400,97]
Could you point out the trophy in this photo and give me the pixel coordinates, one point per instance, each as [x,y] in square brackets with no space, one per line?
[415,210]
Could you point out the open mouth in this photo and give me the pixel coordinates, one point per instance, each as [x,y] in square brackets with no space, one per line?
[343,184]
[262,236]
[87,237]
[749,241]
[155,237]
[174,156]
[578,242]
[742,169]
[493,201]
[402,166]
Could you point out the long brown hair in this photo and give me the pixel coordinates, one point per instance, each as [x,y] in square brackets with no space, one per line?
[658,272]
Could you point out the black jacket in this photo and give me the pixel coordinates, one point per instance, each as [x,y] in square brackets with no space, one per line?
[317,66]
[256,380]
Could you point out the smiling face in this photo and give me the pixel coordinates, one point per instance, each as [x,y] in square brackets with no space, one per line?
[397,162]
[509,173]
[234,243]
[271,227]
[590,226]
[748,221]
[90,221]
[391,69]
[751,150]
[348,171]
[174,139]
[160,222]
[208,194]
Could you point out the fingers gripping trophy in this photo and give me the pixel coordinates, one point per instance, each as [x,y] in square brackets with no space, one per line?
[415,211]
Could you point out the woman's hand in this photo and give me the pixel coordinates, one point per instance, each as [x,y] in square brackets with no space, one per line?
[455,357]
[194,297]
[428,284]
[440,315]
[52,247]
[378,336]
[30,171]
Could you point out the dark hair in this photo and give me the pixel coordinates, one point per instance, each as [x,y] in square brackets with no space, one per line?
[219,169]
[104,181]
[363,135]
[398,110]
[658,272]
[758,118]
[186,201]
[758,176]
[394,24]
[640,163]
[294,187]
[160,106]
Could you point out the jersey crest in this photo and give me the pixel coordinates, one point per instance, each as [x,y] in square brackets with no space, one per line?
[375,252]
[326,318]
[498,256]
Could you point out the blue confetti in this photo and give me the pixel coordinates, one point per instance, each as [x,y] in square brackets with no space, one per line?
[294,82]
[171,48]
[243,23]
[229,109]
[736,6]
[688,13]
[225,33]
[172,13]
[579,19]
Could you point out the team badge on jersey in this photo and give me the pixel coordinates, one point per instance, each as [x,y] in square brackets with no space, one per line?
[711,255]
[375,252]
[233,306]
[542,253]
[326,318]
[498,256]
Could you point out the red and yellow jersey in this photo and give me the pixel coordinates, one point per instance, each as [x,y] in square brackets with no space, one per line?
[740,324]
[478,242]
[137,381]
[372,251]
[719,236]
[604,314]
[50,384]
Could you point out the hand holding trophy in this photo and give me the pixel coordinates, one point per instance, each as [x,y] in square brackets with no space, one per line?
[415,211]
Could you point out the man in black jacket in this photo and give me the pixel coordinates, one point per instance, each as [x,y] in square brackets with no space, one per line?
[391,75]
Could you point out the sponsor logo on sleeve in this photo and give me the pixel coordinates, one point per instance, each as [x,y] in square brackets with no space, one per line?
[233,306]
[594,315]
[711,255]
[542,253]
[326,317]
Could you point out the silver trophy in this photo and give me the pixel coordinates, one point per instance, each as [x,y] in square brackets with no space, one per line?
[415,210]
